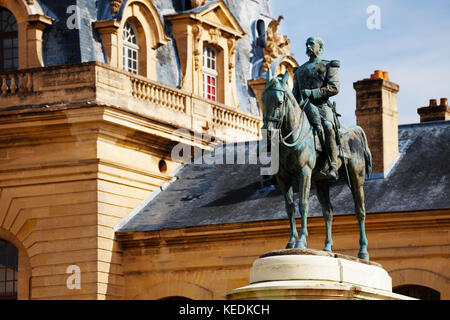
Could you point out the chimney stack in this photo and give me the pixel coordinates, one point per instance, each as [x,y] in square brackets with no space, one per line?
[376,112]
[435,112]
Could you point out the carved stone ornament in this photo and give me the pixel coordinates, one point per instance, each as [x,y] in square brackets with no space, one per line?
[197,31]
[115,5]
[276,44]
[215,35]
[197,3]
[231,52]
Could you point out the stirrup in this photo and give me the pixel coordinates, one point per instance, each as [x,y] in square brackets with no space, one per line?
[330,175]
[333,174]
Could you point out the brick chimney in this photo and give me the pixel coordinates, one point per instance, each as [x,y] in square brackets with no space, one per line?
[376,112]
[435,112]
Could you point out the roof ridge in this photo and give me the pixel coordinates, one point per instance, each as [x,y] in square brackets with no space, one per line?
[424,124]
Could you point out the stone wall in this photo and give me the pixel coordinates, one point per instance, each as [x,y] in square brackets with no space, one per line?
[207,262]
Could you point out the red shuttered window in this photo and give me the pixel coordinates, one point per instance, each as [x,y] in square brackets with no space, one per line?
[209,73]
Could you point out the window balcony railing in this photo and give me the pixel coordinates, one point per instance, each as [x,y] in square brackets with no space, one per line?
[14,82]
[223,116]
[97,83]
[157,94]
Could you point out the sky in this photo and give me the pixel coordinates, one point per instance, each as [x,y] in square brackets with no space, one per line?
[412,44]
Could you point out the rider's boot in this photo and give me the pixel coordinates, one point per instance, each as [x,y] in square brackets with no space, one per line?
[332,173]
[320,134]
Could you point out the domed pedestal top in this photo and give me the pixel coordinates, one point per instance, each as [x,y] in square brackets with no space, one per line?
[311,274]
[308,264]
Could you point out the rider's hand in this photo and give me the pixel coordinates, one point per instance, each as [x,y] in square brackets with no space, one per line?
[306,93]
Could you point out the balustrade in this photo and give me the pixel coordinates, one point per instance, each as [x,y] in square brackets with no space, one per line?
[229,118]
[49,80]
[14,82]
[158,94]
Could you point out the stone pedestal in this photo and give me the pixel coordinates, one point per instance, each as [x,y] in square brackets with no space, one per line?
[306,274]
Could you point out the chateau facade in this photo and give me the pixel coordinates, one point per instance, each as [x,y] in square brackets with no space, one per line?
[94,95]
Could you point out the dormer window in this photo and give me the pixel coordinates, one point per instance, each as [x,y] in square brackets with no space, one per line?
[210,73]
[130,49]
[9,56]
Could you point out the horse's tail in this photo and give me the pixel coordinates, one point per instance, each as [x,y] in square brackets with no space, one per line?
[367,153]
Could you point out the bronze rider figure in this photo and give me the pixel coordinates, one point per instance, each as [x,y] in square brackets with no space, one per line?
[318,80]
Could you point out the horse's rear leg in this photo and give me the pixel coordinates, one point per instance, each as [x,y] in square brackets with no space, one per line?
[288,195]
[360,210]
[323,194]
[303,192]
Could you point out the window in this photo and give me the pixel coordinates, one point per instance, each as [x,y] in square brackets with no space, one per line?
[209,73]
[130,49]
[8,41]
[8,270]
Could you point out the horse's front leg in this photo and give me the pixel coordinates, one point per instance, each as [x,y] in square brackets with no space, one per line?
[363,253]
[288,195]
[323,194]
[304,188]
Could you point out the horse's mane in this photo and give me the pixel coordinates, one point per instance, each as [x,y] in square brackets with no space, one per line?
[290,95]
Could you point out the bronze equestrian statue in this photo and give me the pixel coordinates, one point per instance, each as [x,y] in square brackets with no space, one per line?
[308,161]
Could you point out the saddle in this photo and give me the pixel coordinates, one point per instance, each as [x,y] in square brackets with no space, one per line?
[343,147]
[341,136]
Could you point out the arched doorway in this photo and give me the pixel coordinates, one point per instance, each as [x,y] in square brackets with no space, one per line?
[9,256]
[418,292]
[175,298]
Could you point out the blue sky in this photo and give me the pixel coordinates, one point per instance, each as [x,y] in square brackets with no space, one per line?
[413,46]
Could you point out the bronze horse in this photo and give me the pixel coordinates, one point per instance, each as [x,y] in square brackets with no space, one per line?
[298,158]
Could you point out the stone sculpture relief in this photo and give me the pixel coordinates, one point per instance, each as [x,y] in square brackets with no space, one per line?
[115,5]
[276,44]
[197,33]
[197,3]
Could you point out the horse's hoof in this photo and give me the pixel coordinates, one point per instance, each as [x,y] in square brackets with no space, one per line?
[328,246]
[363,256]
[290,245]
[301,245]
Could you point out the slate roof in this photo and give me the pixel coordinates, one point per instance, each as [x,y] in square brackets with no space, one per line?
[204,194]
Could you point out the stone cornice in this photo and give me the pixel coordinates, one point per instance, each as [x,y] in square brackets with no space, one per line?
[202,18]
[40,21]
[342,224]
[376,85]
[107,26]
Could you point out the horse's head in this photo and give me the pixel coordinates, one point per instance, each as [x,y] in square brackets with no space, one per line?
[274,99]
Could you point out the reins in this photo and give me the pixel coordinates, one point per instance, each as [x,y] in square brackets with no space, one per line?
[281,121]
